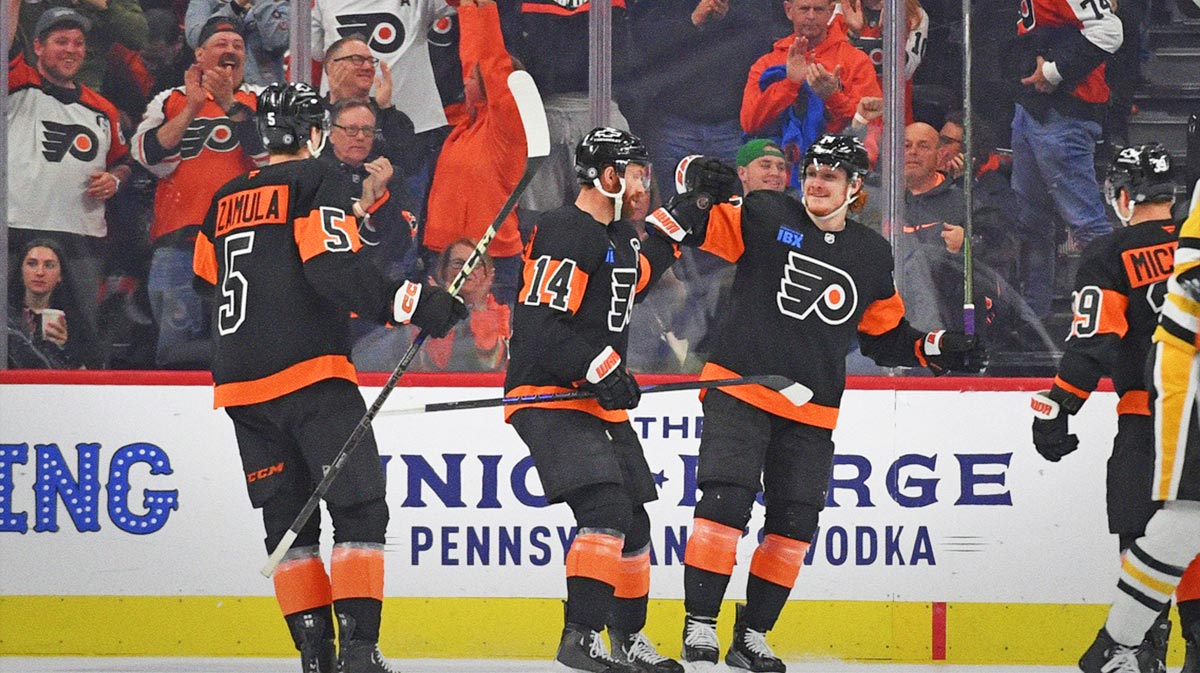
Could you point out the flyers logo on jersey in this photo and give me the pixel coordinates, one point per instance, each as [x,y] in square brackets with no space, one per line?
[811,286]
[385,32]
[215,134]
[443,32]
[60,139]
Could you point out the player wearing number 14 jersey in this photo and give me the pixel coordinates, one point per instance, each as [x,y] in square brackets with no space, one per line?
[280,246]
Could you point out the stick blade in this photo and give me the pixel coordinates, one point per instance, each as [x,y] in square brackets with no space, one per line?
[533,115]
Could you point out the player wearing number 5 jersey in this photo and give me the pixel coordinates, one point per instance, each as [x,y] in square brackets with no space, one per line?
[280,246]
[808,281]
[585,267]
[1119,290]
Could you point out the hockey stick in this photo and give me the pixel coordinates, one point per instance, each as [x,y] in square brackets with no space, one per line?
[968,178]
[537,142]
[795,393]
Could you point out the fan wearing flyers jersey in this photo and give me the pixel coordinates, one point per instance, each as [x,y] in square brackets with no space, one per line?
[808,280]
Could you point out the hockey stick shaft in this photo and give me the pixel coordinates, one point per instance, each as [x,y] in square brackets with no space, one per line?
[770,380]
[968,148]
[537,140]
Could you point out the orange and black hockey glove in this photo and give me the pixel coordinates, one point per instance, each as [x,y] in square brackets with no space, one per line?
[1051,409]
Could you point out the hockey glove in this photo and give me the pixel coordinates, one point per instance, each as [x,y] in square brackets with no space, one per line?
[1051,409]
[428,307]
[943,351]
[613,386]
[684,220]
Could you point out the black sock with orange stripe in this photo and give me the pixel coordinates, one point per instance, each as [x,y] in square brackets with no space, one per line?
[359,618]
[764,602]
[589,602]
[703,590]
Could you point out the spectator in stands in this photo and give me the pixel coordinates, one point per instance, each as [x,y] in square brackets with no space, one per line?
[934,207]
[164,55]
[484,156]
[397,34]
[1058,59]
[264,28]
[480,343]
[761,165]
[44,330]
[551,39]
[66,155]
[195,138]
[1123,72]
[810,83]
[690,63]
[384,228]
[350,73]
[950,147]
[863,22]
[111,22]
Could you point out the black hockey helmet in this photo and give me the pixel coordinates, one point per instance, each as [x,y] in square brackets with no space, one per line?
[286,114]
[605,146]
[838,151]
[1145,171]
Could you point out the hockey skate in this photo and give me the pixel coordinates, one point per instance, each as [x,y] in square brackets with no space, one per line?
[1157,639]
[583,649]
[1108,656]
[317,653]
[636,649]
[750,651]
[700,644]
[359,656]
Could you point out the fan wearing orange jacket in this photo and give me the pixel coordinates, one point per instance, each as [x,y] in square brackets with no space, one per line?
[484,155]
[835,70]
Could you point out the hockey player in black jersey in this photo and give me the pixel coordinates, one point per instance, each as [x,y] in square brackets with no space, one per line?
[808,280]
[279,250]
[585,267]
[1119,291]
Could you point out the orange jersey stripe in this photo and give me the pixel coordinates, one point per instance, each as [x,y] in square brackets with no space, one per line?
[537,8]
[1189,585]
[724,235]
[357,572]
[1074,390]
[301,584]
[596,556]
[778,560]
[712,546]
[882,315]
[1136,402]
[326,229]
[772,402]
[204,259]
[587,405]
[240,393]
[633,580]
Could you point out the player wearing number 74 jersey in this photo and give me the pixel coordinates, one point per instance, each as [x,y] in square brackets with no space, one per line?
[279,244]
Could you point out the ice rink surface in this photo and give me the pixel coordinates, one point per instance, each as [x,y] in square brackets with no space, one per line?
[247,665]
